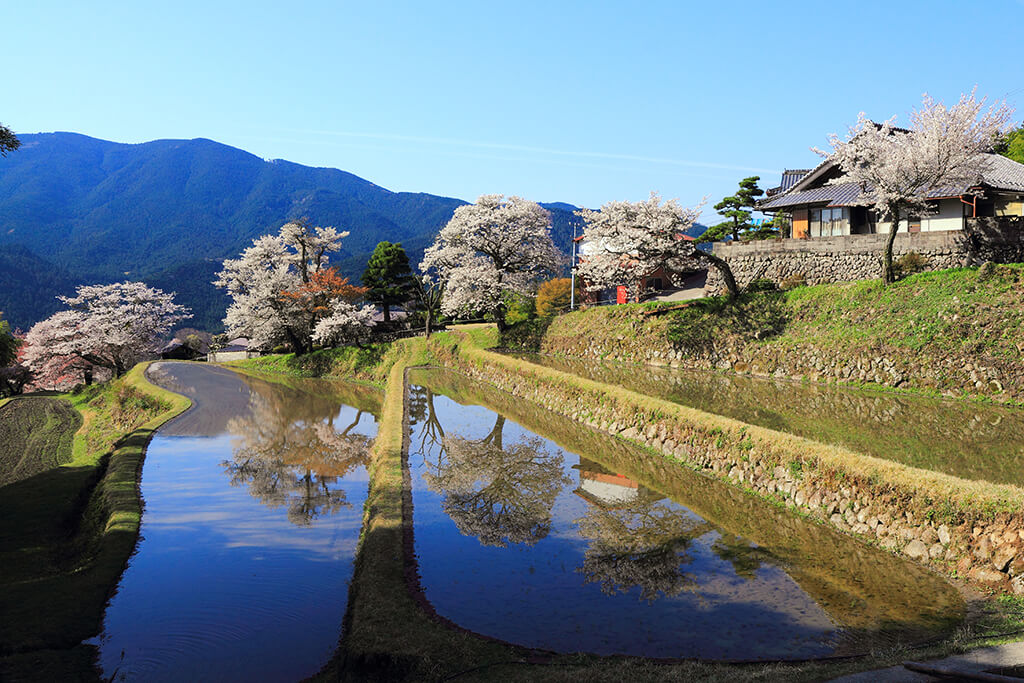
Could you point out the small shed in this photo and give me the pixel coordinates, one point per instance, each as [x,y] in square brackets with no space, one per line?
[236,349]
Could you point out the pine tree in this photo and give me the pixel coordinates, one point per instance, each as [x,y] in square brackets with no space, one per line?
[388,277]
[736,207]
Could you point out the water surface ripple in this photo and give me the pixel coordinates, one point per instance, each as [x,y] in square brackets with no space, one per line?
[253,505]
[971,440]
[539,531]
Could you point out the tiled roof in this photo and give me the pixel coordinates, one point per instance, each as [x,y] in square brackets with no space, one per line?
[1000,174]
[833,195]
[790,177]
[1004,174]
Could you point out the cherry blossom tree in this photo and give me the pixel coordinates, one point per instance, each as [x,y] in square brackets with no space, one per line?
[107,326]
[626,241]
[943,151]
[289,453]
[490,249]
[282,288]
[347,323]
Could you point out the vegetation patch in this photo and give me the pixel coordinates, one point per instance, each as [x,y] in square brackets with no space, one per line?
[67,532]
[36,433]
[367,363]
[955,332]
[389,635]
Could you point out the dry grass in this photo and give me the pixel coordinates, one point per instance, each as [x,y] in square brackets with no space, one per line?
[961,496]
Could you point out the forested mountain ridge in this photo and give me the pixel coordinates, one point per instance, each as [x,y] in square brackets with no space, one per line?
[77,210]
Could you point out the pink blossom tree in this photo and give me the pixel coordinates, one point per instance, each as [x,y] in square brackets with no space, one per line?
[944,150]
[108,327]
[488,250]
[263,281]
[626,241]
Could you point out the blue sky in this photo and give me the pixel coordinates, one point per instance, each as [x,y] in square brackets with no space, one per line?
[582,102]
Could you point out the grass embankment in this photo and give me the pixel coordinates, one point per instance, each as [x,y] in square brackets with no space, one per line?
[955,332]
[368,364]
[933,495]
[389,634]
[67,532]
[37,433]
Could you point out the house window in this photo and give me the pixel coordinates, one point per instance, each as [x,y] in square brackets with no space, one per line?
[914,224]
[833,222]
[815,219]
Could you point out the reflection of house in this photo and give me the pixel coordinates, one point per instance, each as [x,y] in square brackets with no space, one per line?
[236,349]
[821,209]
[602,487]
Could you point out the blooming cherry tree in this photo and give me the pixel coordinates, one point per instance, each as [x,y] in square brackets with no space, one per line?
[347,323]
[106,326]
[943,151]
[489,249]
[281,287]
[626,241]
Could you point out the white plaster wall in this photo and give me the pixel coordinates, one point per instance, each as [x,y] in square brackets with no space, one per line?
[948,217]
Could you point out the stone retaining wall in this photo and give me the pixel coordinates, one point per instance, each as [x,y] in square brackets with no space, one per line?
[858,257]
[995,378]
[934,519]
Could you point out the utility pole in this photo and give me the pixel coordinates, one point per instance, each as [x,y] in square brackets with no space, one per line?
[572,271]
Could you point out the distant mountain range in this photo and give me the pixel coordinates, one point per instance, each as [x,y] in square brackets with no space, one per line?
[77,210]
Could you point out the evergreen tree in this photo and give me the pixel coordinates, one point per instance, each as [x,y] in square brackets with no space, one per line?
[738,208]
[1011,144]
[388,277]
[8,344]
[8,140]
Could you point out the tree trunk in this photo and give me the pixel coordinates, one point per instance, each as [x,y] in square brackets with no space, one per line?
[428,322]
[297,344]
[722,266]
[888,273]
[387,312]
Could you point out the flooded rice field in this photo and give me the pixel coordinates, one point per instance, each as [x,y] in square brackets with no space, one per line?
[535,530]
[971,440]
[252,509]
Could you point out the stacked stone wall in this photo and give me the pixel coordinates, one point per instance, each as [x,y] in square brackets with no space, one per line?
[889,505]
[821,260]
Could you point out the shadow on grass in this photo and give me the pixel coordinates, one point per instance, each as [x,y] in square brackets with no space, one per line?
[65,538]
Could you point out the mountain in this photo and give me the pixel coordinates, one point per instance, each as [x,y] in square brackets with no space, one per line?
[77,210]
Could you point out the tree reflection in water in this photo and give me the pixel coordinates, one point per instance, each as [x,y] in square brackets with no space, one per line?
[288,453]
[500,494]
[640,539]
[640,543]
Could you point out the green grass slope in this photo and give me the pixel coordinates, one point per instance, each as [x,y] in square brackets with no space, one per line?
[956,332]
[67,532]
[37,433]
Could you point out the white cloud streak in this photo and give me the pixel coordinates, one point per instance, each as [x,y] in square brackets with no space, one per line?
[453,142]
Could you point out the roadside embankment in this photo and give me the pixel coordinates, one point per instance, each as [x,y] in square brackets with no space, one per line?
[955,332]
[390,634]
[67,532]
[369,363]
[965,529]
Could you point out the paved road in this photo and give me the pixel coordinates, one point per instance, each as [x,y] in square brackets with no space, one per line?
[976,661]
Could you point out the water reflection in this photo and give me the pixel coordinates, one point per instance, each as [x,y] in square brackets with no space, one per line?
[253,507]
[643,544]
[597,559]
[970,440]
[287,456]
